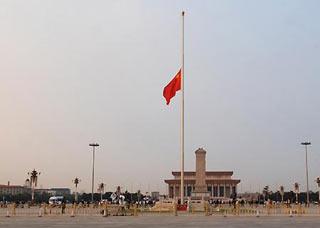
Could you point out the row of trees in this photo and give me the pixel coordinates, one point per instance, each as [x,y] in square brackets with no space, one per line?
[292,196]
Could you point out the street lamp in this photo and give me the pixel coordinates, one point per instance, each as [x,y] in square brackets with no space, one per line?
[33,182]
[93,145]
[265,192]
[139,196]
[318,182]
[296,190]
[76,181]
[281,193]
[101,189]
[306,144]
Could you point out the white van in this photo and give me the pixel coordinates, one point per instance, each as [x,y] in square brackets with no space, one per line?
[56,200]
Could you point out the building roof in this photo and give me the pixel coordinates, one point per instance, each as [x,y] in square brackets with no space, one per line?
[53,189]
[10,186]
[208,173]
[63,189]
[212,181]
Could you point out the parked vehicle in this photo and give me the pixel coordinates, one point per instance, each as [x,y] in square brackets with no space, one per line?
[56,200]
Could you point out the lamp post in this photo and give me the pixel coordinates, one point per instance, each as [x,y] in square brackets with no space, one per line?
[318,182]
[101,189]
[139,196]
[76,181]
[265,192]
[33,182]
[306,144]
[93,145]
[27,183]
[281,193]
[296,190]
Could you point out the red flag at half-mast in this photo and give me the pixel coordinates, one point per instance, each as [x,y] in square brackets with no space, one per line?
[174,85]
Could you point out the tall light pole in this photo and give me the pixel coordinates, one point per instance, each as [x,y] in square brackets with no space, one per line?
[265,192]
[93,145]
[318,182]
[101,189]
[306,144]
[33,181]
[281,190]
[296,190]
[76,181]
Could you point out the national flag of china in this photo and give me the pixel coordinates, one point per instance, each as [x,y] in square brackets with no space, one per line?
[174,85]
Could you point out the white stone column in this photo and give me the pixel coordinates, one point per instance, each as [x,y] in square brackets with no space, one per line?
[200,171]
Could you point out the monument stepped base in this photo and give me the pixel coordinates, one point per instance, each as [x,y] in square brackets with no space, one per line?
[200,195]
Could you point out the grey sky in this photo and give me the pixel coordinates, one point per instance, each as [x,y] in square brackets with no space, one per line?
[75,72]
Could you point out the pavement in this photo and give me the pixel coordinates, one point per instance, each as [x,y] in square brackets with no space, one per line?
[160,221]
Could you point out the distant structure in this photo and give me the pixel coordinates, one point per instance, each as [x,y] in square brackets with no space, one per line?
[54,191]
[7,189]
[203,184]
[155,195]
[250,196]
[13,189]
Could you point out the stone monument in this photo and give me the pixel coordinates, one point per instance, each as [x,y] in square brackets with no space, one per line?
[200,188]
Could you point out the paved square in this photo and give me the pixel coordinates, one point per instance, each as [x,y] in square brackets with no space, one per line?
[160,221]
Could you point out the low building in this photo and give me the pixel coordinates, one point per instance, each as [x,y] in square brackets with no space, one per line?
[155,195]
[13,189]
[60,191]
[248,196]
[54,191]
[202,183]
[19,189]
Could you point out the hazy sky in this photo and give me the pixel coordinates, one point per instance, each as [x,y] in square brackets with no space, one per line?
[76,72]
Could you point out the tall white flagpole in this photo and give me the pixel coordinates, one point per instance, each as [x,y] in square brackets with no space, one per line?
[182,116]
